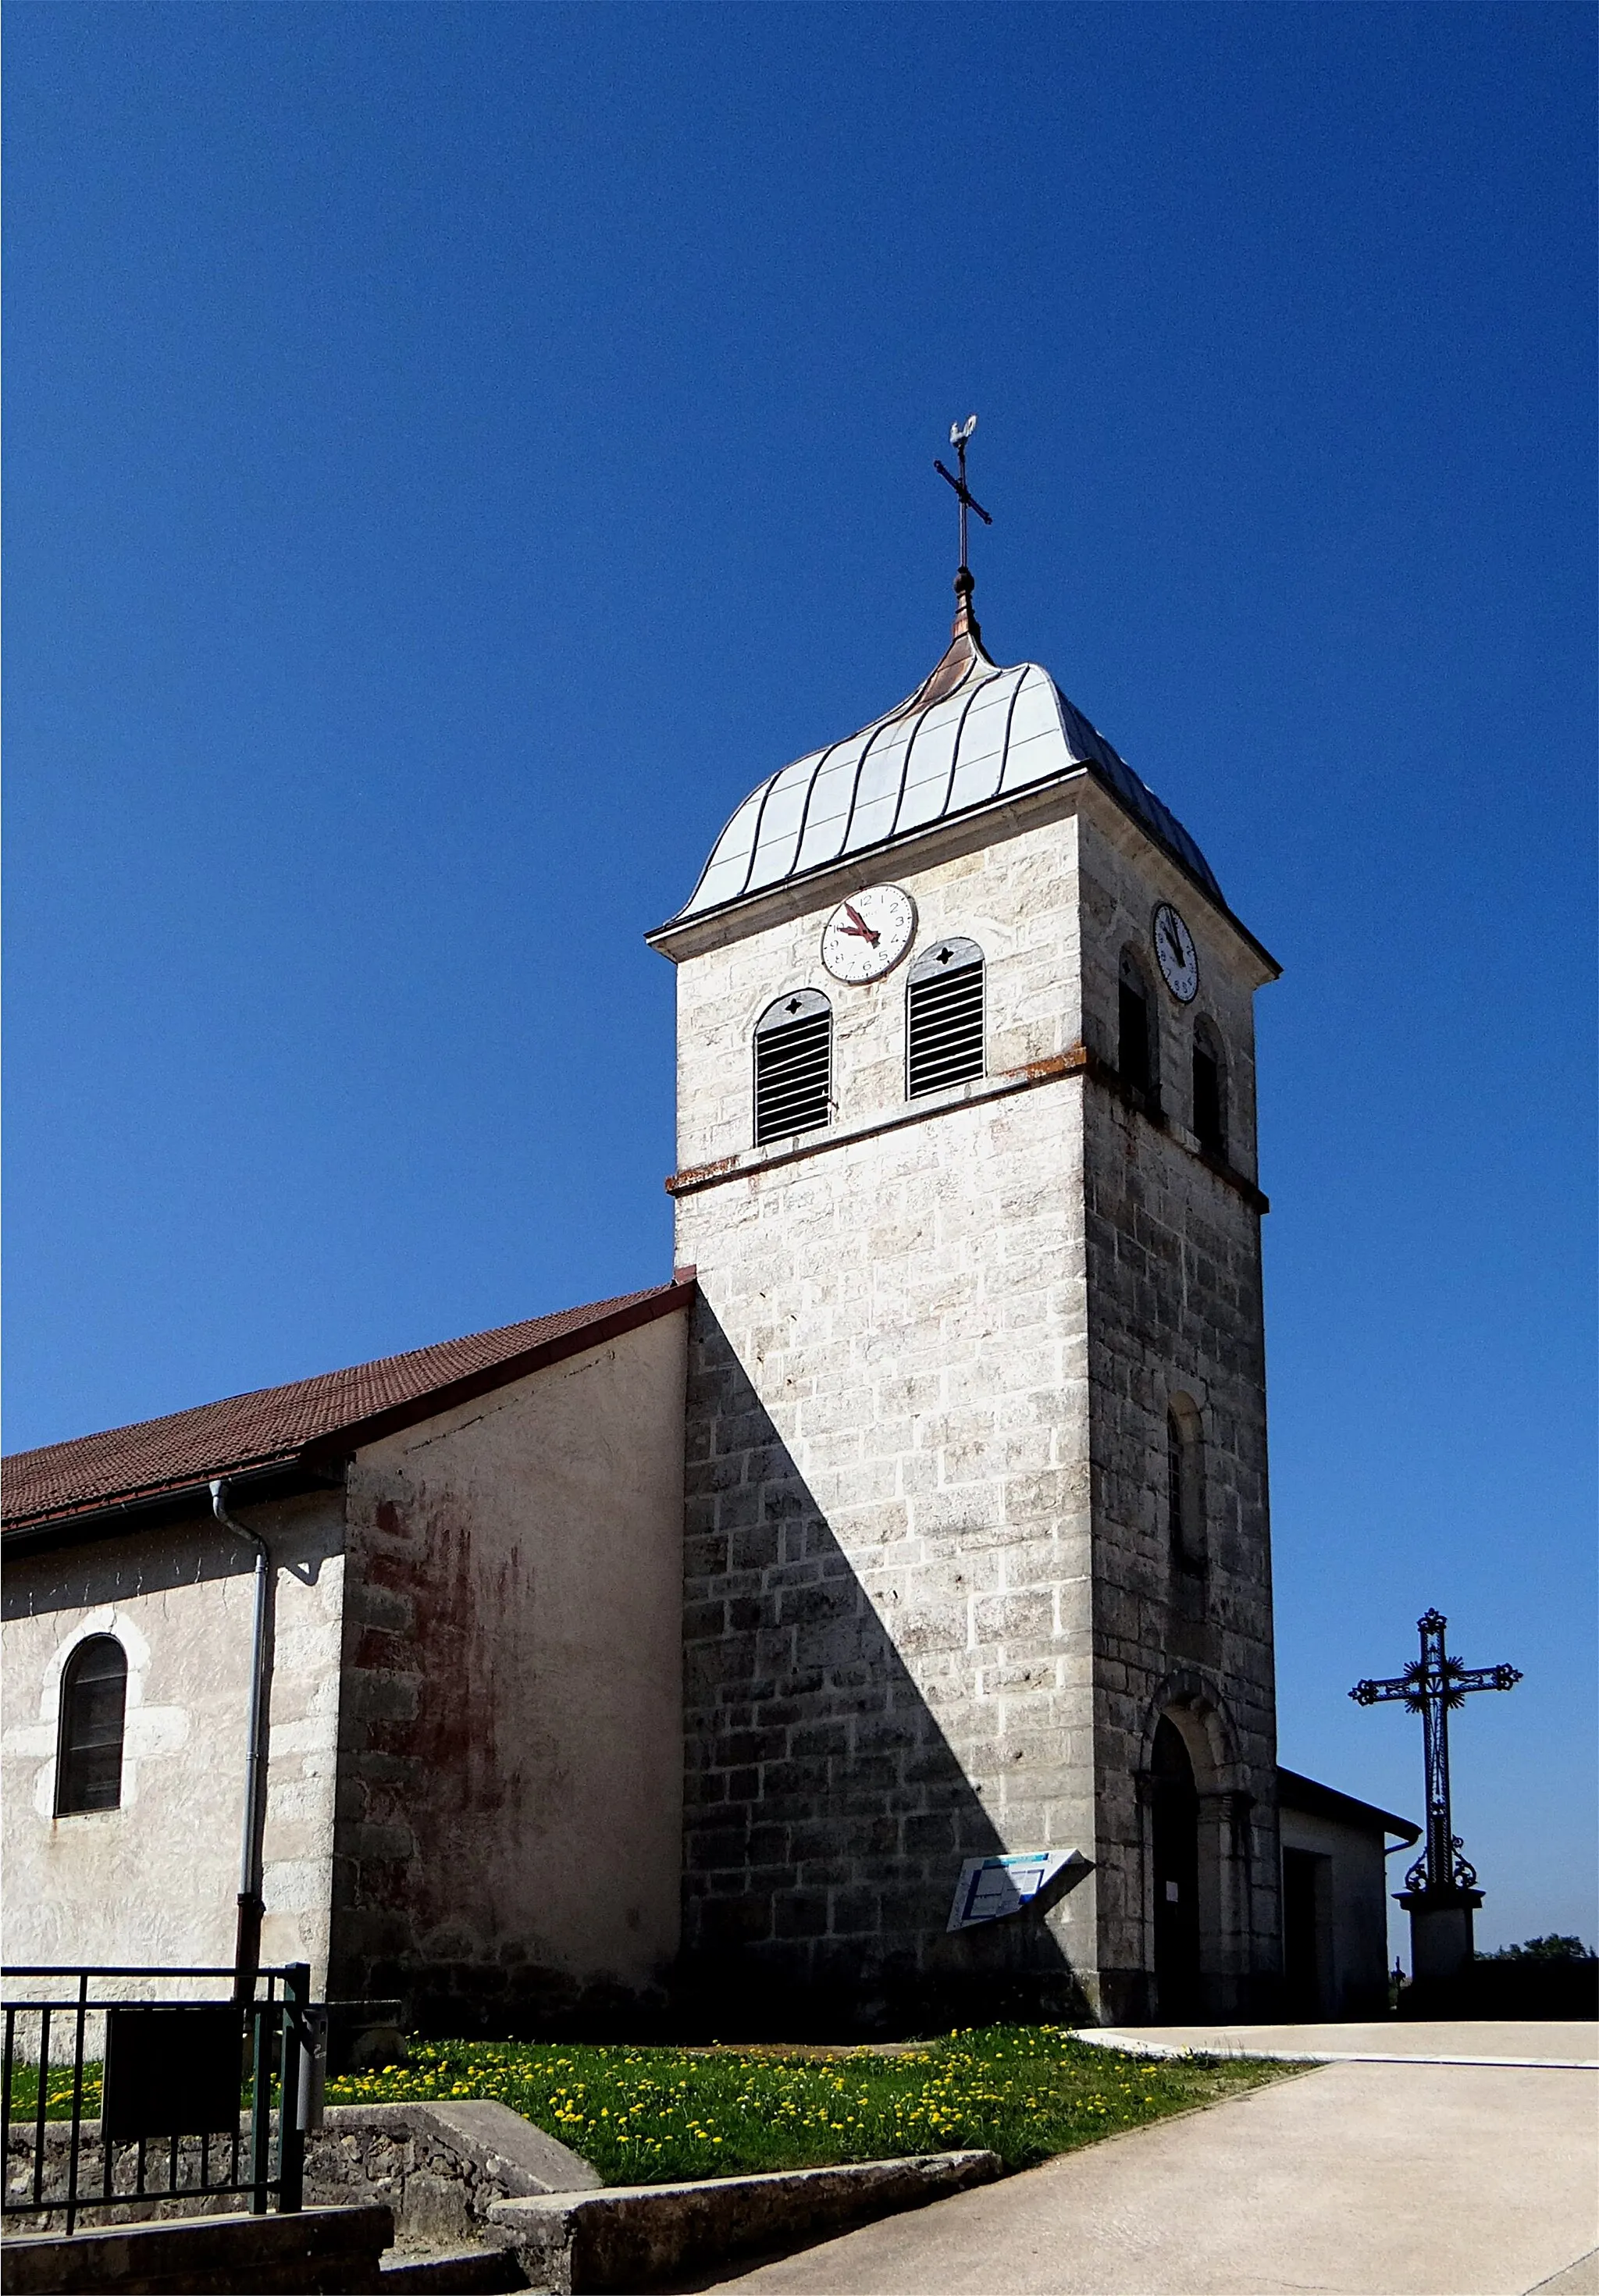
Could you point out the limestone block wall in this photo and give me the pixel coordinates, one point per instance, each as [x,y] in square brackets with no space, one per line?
[929,1606]
[509,1841]
[887,1604]
[156,1880]
[1176,1308]
[1016,896]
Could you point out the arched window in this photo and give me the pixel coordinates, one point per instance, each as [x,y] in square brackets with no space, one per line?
[793,1066]
[88,1766]
[944,1017]
[1210,1090]
[1186,1484]
[1135,1052]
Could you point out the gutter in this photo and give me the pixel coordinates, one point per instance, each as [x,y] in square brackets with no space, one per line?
[289,1476]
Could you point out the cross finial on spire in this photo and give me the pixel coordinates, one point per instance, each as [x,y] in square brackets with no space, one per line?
[965,620]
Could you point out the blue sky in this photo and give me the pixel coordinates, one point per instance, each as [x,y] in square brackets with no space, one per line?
[455,451]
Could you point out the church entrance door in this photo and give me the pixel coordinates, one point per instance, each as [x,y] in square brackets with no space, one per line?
[1175,1847]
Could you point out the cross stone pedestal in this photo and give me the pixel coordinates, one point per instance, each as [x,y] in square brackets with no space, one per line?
[1441,1930]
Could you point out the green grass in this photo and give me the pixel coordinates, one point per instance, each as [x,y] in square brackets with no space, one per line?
[649,2115]
[58,2093]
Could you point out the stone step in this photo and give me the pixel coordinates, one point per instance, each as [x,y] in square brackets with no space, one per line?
[452,2272]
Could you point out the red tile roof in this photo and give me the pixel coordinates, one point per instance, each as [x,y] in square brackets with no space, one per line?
[326,1417]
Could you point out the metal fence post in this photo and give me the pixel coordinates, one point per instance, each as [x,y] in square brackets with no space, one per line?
[292,2086]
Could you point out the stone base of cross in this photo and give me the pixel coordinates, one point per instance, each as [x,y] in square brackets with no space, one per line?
[1441,1943]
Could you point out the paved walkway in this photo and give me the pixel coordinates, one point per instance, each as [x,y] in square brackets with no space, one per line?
[1463,2041]
[1370,2177]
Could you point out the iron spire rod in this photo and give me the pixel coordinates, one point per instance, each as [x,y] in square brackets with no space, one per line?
[958,434]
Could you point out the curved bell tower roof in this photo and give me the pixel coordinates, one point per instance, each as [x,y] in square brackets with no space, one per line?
[973,733]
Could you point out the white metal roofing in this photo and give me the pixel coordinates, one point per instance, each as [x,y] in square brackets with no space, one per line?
[965,737]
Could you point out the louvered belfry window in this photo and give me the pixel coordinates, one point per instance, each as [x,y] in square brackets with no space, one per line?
[89,1769]
[944,1017]
[793,1066]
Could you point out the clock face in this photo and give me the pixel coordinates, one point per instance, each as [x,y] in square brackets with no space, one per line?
[1179,957]
[867,935]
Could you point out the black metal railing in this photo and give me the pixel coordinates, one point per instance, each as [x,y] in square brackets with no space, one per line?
[190,2100]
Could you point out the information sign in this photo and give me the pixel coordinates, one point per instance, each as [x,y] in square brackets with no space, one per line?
[990,1888]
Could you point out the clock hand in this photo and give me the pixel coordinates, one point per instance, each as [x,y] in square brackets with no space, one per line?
[861,930]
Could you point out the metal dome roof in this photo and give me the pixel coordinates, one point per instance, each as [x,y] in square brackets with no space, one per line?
[970,734]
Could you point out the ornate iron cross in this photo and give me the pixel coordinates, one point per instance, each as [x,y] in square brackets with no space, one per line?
[1429,1689]
[959,432]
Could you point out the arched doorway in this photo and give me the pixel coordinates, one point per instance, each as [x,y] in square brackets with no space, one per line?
[1175,1857]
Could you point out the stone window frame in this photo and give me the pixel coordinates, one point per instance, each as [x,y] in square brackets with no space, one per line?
[70,1748]
[970,951]
[1132,974]
[814,1001]
[1207,1043]
[1185,1494]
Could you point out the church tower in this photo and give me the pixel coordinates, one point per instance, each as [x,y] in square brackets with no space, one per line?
[978,1557]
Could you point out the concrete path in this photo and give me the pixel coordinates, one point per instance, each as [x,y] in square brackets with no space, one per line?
[1359,2179]
[1463,2041]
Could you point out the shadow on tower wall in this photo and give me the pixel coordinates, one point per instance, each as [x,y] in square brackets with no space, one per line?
[826,1813]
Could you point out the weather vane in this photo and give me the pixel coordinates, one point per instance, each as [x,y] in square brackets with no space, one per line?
[959,432]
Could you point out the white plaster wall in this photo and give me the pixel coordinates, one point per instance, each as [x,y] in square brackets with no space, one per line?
[514,1734]
[156,1880]
[1360,1909]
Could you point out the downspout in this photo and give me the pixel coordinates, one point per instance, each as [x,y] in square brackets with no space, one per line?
[246,1947]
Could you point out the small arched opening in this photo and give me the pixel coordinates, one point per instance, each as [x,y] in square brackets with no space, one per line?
[1186,1488]
[1137,1051]
[1209,1091]
[88,1765]
[793,1066]
[944,1017]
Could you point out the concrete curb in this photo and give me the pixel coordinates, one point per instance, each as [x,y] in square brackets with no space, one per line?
[1102,2038]
[628,2236]
[297,2255]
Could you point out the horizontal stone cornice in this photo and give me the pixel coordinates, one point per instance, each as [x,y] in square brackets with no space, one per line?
[1076,1061]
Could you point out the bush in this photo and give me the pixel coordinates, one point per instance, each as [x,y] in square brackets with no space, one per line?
[1544,1949]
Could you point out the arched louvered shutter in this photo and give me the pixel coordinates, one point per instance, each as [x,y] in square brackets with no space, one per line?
[88,1766]
[793,1066]
[944,1017]
[1137,1054]
[1210,1090]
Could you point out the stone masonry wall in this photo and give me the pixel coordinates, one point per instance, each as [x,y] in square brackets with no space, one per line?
[927,1600]
[1176,1308]
[886,1620]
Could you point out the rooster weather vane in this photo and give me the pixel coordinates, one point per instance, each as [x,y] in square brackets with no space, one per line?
[959,432]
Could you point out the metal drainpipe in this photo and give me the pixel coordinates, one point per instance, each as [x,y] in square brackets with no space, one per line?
[247,1948]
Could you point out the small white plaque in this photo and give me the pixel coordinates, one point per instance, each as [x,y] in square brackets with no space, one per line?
[990,1888]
